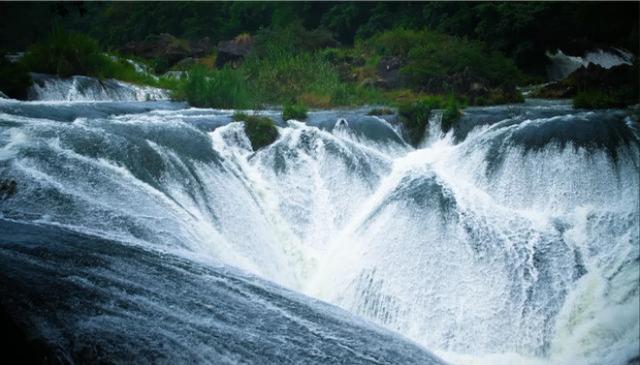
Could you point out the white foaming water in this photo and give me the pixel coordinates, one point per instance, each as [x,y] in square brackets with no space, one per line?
[83,88]
[563,65]
[501,248]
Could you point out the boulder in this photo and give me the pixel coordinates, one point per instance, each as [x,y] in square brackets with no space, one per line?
[234,51]
[167,47]
[388,72]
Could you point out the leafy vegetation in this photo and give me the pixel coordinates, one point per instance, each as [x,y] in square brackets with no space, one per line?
[414,116]
[220,88]
[66,54]
[522,31]
[260,130]
[294,111]
[330,54]
[598,99]
[428,55]
[450,115]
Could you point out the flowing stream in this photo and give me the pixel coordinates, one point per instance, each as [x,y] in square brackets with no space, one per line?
[153,230]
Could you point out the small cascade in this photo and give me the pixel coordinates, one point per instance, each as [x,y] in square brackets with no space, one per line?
[562,65]
[83,88]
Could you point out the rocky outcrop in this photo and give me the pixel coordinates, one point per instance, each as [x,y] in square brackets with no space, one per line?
[388,72]
[234,51]
[592,77]
[167,47]
[476,89]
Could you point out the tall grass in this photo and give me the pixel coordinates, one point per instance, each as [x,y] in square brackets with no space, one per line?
[224,88]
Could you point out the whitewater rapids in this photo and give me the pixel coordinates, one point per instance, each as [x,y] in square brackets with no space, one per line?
[512,239]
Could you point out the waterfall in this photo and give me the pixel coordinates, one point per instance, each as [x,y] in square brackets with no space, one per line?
[511,239]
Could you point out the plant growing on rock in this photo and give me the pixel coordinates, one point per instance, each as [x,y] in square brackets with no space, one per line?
[260,130]
[294,111]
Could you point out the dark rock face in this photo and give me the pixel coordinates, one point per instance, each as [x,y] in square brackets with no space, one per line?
[588,78]
[389,75]
[8,188]
[234,51]
[166,46]
[472,86]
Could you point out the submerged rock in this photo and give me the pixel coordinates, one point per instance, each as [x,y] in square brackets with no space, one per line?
[8,188]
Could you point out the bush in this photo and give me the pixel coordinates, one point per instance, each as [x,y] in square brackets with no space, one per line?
[596,99]
[415,118]
[259,129]
[294,111]
[431,54]
[217,89]
[15,79]
[451,114]
[66,54]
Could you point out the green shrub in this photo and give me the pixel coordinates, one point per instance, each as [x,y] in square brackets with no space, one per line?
[415,118]
[260,130]
[430,54]
[224,88]
[294,111]
[14,78]
[451,114]
[66,54]
[596,99]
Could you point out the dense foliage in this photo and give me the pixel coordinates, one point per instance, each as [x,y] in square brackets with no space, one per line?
[66,54]
[318,54]
[522,31]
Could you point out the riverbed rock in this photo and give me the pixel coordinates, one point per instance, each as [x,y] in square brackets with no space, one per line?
[234,51]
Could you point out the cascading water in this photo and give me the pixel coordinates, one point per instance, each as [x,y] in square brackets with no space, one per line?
[562,65]
[83,88]
[512,239]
